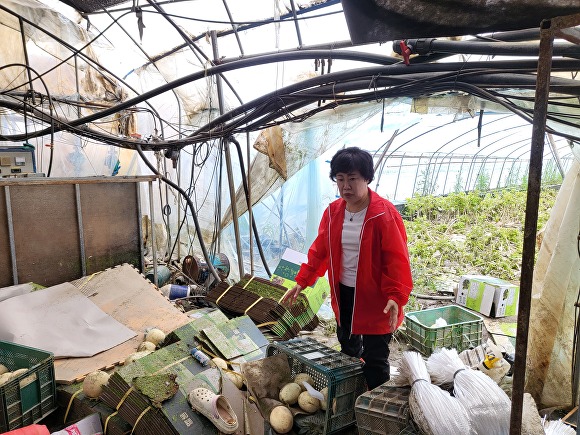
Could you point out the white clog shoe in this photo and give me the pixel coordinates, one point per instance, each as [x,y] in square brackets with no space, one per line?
[216,408]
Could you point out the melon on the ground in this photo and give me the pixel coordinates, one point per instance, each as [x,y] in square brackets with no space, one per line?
[93,383]
[308,403]
[281,419]
[289,393]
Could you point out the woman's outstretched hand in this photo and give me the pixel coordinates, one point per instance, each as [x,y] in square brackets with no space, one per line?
[392,310]
[291,295]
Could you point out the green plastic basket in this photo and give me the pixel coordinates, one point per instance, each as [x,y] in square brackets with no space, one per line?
[463,329]
[32,395]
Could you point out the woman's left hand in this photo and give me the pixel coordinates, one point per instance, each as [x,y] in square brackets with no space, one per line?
[392,310]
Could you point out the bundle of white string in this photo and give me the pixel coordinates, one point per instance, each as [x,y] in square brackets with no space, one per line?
[433,409]
[557,427]
[488,405]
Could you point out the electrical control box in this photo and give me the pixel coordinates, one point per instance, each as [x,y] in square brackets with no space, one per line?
[17,162]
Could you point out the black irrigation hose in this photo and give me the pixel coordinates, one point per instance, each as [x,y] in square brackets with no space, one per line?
[452,69]
[427,46]
[256,108]
[262,107]
[88,59]
[508,36]
[284,104]
[191,207]
[50,107]
[527,65]
[531,34]
[246,190]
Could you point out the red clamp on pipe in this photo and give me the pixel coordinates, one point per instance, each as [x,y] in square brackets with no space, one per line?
[49,145]
[405,52]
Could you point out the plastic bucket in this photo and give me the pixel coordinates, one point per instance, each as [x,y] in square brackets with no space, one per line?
[178,291]
[163,275]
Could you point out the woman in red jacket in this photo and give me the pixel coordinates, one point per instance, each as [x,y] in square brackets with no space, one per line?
[362,243]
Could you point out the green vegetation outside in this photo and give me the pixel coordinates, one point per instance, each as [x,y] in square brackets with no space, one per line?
[468,233]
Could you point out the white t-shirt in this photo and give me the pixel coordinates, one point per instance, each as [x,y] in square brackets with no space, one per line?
[350,245]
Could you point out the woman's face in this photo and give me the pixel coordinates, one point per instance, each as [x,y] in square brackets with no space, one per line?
[353,188]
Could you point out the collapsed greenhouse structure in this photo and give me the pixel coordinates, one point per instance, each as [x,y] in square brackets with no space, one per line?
[174,135]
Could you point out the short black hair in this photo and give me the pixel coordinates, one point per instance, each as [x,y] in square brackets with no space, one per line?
[352,159]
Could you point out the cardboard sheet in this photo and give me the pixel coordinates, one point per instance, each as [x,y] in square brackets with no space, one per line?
[124,294]
[504,333]
[15,290]
[61,320]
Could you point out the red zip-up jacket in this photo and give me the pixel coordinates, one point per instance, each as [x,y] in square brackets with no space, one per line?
[383,273]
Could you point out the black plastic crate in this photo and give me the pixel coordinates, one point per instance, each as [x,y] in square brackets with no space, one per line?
[31,396]
[341,373]
[384,411]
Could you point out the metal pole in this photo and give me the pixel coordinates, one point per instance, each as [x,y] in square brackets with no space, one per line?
[26,59]
[492,171]
[178,204]
[387,146]
[417,174]
[296,24]
[77,85]
[228,156]
[446,174]
[531,221]
[281,214]
[554,149]
[81,230]
[152,218]
[11,235]
[234,28]
[398,177]
[140,228]
[250,210]
[165,210]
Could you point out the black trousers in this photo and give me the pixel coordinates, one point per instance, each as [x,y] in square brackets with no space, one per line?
[373,349]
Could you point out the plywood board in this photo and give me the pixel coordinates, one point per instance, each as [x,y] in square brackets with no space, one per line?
[124,294]
[47,238]
[46,233]
[110,215]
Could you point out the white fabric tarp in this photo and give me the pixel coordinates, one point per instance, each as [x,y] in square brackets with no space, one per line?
[555,290]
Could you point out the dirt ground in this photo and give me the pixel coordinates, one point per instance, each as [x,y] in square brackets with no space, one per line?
[398,343]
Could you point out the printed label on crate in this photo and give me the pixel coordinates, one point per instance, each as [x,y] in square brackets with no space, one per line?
[313,355]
